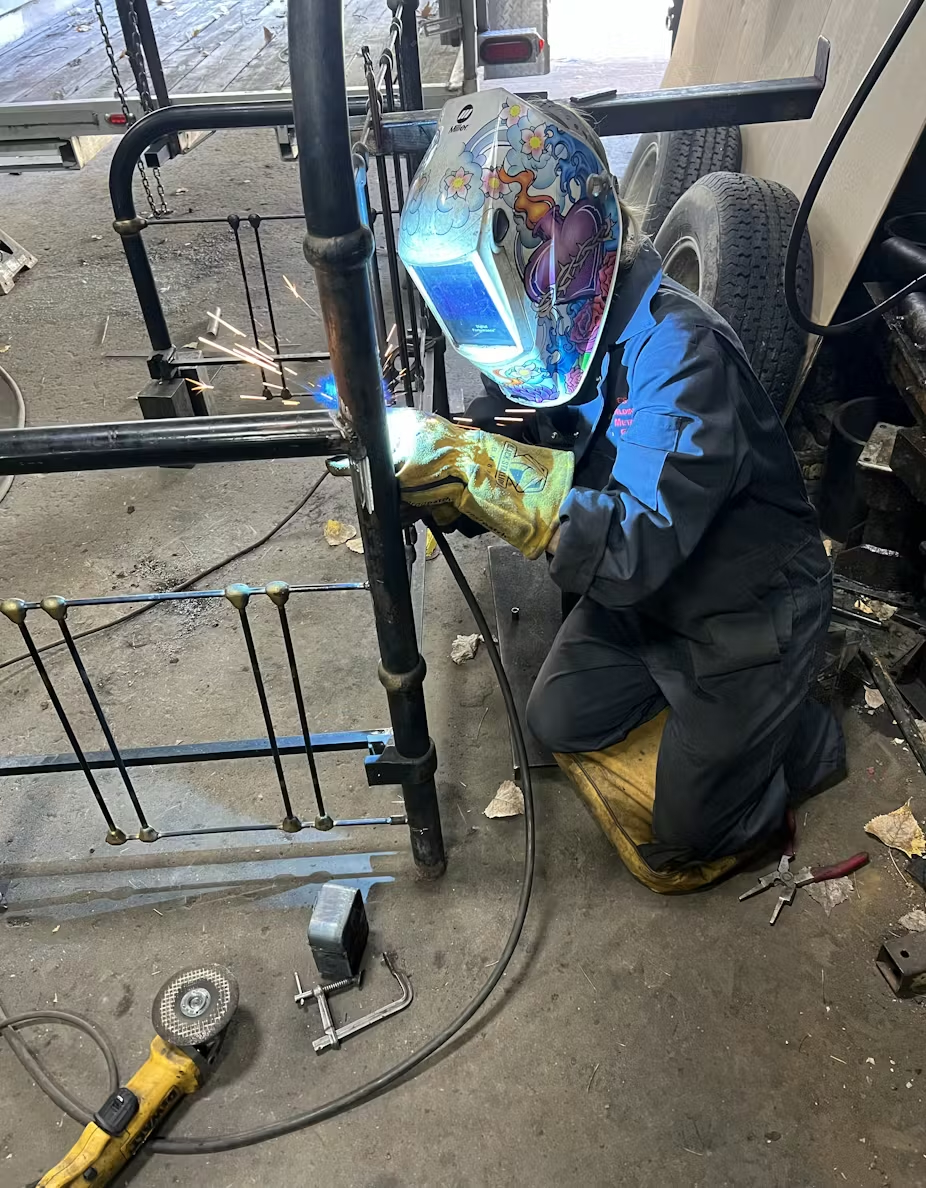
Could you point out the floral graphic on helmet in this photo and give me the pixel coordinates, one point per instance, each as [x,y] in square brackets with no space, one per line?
[534,141]
[491,183]
[521,373]
[512,112]
[456,183]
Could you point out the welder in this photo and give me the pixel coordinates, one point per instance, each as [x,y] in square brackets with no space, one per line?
[623,434]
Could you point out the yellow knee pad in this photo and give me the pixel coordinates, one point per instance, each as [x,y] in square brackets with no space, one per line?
[618,785]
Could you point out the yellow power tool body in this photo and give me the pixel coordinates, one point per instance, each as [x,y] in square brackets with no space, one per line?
[190,1013]
[168,1075]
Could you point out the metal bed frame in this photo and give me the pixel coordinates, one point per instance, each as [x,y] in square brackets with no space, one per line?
[339,244]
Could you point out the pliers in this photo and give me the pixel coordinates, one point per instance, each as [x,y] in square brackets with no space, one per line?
[790,881]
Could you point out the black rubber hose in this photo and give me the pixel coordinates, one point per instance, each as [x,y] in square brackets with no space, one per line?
[347,1101]
[813,188]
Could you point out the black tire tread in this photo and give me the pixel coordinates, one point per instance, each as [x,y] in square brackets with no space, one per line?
[756,218]
[688,156]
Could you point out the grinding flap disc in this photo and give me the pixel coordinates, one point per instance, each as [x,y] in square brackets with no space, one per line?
[195,1005]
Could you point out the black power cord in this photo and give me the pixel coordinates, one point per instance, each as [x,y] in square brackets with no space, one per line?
[188,584]
[813,188]
[347,1101]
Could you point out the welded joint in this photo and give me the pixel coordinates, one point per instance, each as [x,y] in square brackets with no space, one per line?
[128,227]
[391,767]
[339,253]
[403,682]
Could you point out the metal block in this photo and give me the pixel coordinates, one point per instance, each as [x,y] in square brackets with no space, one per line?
[13,259]
[902,961]
[338,931]
[165,398]
[528,612]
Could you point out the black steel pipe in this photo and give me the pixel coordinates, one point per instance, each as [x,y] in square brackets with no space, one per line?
[169,442]
[339,247]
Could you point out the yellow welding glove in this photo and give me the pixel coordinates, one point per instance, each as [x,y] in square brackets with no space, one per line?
[618,785]
[512,489]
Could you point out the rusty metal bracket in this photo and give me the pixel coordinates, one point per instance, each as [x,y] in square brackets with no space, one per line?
[902,961]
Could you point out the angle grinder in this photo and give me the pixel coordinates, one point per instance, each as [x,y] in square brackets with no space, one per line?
[190,1014]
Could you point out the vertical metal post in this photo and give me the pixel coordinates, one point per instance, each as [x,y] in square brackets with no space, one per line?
[468,19]
[140,267]
[339,248]
[239,596]
[278,593]
[408,67]
[152,54]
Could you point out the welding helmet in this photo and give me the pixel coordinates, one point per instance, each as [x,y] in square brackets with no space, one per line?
[512,233]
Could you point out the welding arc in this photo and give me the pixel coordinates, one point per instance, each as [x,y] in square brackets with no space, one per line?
[386,1080]
[188,584]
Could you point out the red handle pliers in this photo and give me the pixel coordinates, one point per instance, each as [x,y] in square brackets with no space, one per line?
[789,880]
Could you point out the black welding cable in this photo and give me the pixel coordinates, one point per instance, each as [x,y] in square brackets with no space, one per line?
[813,188]
[347,1101]
[50,1085]
[189,583]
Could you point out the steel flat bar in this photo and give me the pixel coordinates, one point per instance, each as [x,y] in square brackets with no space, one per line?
[179,595]
[185,358]
[205,752]
[55,448]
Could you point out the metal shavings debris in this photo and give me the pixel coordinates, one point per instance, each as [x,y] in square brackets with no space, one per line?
[832,892]
[914,921]
[899,830]
[508,801]
[464,647]
[96,236]
[338,533]
[57,928]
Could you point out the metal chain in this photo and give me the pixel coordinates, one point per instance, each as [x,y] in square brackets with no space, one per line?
[159,208]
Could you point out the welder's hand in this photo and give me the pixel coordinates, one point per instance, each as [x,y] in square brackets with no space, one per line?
[512,489]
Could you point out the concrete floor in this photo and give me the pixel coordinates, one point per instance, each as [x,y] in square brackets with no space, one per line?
[636,1040]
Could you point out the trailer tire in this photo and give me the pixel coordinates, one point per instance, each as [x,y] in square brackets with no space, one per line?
[726,240]
[663,165]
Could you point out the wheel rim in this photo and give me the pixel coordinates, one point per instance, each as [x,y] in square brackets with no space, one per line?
[639,190]
[682,263]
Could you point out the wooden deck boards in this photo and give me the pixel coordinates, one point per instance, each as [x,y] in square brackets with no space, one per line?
[205,45]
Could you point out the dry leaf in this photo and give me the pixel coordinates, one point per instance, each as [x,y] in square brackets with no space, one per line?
[4,349]
[430,546]
[874,699]
[268,35]
[82,28]
[355,546]
[914,921]
[338,533]
[56,927]
[899,830]
[832,892]
[508,801]
[196,32]
[464,647]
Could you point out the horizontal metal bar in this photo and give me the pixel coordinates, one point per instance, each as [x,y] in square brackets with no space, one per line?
[371,741]
[188,357]
[180,595]
[715,105]
[67,118]
[347,823]
[180,440]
